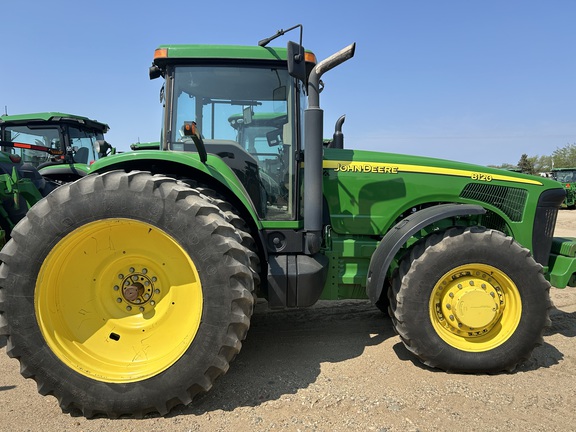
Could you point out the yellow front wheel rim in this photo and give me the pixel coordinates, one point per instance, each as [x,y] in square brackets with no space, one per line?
[475,307]
[118,300]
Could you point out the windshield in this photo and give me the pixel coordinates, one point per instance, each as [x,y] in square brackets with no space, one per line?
[565,176]
[48,136]
[82,142]
[244,115]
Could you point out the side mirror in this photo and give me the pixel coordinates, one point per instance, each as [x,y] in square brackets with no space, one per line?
[102,148]
[247,115]
[296,63]
[154,72]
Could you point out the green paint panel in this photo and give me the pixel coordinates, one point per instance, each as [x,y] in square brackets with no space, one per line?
[349,259]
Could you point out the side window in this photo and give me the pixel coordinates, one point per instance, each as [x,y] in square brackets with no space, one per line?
[82,143]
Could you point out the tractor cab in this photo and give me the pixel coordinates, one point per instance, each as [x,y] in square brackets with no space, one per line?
[244,107]
[54,138]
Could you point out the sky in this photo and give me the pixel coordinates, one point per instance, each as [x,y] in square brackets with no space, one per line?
[474,81]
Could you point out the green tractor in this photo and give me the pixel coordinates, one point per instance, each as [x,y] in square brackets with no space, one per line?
[61,146]
[21,186]
[130,290]
[567,176]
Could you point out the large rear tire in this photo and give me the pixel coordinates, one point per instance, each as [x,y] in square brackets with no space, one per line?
[470,300]
[124,294]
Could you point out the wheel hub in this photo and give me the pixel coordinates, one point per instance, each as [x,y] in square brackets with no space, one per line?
[132,292]
[468,303]
[474,308]
[137,288]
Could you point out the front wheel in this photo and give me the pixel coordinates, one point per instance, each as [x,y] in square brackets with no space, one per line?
[470,300]
[124,294]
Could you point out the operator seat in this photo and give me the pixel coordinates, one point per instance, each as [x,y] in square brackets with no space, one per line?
[244,165]
[81,155]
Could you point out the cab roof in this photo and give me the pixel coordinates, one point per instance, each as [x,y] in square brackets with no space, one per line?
[52,117]
[223,52]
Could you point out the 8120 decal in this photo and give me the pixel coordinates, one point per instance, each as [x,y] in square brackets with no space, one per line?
[481,177]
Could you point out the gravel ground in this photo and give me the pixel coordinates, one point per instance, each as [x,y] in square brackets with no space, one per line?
[338,367]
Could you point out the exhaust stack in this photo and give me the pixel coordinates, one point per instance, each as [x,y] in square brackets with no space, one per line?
[313,136]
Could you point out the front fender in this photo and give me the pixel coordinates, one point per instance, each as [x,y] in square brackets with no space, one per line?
[399,234]
[61,169]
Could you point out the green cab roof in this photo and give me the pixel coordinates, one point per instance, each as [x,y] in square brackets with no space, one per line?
[52,117]
[223,52]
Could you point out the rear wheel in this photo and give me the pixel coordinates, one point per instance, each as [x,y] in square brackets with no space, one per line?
[470,300]
[142,294]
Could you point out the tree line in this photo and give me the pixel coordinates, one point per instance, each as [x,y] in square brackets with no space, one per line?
[564,157]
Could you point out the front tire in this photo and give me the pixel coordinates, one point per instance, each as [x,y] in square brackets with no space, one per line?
[125,294]
[470,300]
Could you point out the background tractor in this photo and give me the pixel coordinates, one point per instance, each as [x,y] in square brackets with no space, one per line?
[74,142]
[130,290]
[21,186]
[567,176]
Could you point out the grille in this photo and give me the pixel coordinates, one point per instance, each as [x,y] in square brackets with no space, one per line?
[544,222]
[509,200]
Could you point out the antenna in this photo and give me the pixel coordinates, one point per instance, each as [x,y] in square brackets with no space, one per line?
[279,33]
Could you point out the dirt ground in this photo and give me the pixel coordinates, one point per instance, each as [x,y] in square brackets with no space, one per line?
[338,367]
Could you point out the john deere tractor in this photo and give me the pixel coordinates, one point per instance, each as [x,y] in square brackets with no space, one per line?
[567,176]
[130,290]
[21,186]
[61,146]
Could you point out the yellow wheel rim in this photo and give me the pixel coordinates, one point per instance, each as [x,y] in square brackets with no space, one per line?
[118,300]
[475,307]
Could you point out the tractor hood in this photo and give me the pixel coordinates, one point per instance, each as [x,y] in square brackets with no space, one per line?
[368,191]
[391,163]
